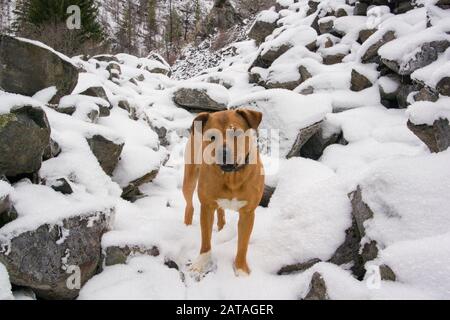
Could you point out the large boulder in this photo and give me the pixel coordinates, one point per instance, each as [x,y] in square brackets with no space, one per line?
[436,136]
[201,99]
[371,53]
[29,67]
[106,151]
[274,83]
[265,24]
[314,148]
[303,137]
[45,259]
[24,136]
[425,54]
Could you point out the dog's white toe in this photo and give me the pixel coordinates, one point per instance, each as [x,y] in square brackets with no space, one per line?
[201,266]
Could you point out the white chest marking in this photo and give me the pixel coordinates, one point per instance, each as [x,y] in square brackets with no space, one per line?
[234,204]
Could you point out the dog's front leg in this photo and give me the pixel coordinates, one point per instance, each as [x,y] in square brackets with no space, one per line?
[203,262]
[245,228]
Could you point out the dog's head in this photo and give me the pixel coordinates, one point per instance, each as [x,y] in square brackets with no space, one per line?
[229,137]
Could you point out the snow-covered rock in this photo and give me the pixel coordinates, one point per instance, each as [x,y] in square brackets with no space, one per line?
[287,112]
[27,67]
[24,135]
[201,97]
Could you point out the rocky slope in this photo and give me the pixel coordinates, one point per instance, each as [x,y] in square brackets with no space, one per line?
[356,203]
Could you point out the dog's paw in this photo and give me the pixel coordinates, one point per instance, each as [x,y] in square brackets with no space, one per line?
[242,271]
[203,265]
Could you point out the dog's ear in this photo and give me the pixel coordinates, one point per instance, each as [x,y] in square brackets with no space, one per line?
[202,119]
[253,118]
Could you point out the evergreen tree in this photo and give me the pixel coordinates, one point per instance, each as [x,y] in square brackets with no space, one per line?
[54,12]
[46,21]
[126,34]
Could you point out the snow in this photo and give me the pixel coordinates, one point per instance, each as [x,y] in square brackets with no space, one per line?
[10,100]
[135,280]
[268,16]
[392,190]
[388,84]
[5,285]
[426,112]
[38,205]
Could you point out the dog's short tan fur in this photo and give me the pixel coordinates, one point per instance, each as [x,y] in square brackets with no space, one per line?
[242,189]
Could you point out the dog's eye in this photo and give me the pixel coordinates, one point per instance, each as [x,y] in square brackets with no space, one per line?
[212,138]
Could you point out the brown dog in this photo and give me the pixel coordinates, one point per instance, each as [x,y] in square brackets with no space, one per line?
[236,184]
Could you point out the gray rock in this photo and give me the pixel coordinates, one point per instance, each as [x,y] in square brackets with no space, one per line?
[7,211]
[99,92]
[303,137]
[404,91]
[52,150]
[387,274]
[317,288]
[107,152]
[290,85]
[125,105]
[369,251]
[62,185]
[119,255]
[260,30]
[298,267]
[365,34]
[360,211]
[114,70]
[326,27]
[436,137]
[359,82]
[348,252]
[39,259]
[314,148]
[196,100]
[443,86]
[341,13]
[26,68]
[24,135]
[132,192]
[333,58]
[360,8]
[371,54]
[427,54]
[403,6]
[426,94]
[267,195]
[106,58]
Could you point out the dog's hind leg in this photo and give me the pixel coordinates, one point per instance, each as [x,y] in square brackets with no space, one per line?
[221,219]
[191,173]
